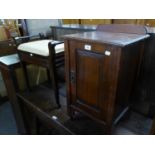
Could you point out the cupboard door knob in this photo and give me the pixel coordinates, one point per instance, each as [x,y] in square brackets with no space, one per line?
[87,47]
[108,53]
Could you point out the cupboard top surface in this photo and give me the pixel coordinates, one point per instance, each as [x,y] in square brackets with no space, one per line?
[119,39]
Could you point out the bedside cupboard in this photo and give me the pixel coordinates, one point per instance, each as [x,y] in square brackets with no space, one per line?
[101,68]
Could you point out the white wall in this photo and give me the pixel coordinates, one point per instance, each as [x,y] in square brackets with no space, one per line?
[36,26]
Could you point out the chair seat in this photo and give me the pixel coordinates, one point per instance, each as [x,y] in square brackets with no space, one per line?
[40,47]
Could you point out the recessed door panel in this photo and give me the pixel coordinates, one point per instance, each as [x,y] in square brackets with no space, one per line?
[89,78]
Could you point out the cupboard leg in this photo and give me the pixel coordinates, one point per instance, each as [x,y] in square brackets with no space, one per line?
[71,113]
[108,129]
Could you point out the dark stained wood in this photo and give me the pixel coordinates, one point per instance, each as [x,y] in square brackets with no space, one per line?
[131,59]
[53,70]
[8,65]
[144,95]
[89,79]
[100,85]
[119,39]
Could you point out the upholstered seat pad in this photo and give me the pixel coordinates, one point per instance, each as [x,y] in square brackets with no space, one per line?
[40,47]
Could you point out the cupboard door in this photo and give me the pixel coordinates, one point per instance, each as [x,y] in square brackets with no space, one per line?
[92,78]
[89,78]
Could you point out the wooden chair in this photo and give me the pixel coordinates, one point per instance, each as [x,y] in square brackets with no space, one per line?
[43,52]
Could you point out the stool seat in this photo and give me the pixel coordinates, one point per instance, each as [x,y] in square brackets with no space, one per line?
[40,47]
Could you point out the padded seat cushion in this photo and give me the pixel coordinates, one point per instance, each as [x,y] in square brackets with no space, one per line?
[40,47]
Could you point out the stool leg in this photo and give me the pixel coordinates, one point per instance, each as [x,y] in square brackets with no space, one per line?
[52,72]
[24,66]
[48,75]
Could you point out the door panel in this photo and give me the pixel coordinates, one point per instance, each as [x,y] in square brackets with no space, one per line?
[88,72]
[89,79]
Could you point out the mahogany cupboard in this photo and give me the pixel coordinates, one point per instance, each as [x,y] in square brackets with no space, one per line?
[101,69]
